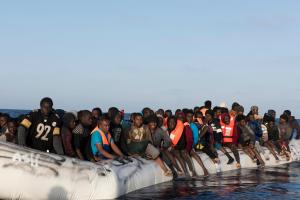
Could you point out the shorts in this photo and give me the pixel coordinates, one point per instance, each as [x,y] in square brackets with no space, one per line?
[137,147]
[152,152]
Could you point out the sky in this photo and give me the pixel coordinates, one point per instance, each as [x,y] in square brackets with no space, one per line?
[132,54]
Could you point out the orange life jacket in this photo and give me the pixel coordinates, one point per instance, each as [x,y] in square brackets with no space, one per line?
[228,130]
[105,140]
[176,134]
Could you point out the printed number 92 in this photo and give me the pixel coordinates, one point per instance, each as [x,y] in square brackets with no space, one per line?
[42,129]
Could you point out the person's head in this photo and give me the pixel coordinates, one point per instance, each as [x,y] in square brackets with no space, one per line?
[250,116]
[267,119]
[234,106]
[96,113]
[283,119]
[198,114]
[181,116]
[46,105]
[209,115]
[168,114]
[240,110]
[207,104]
[69,121]
[288,113]
[132,116]
[272,113]
[241,120]
[146,112]
[189,116]
[12,127]
[112,111]
[3,120]
[254,110]
[172,123]
[85,118]
[152,122]
[177,111]
[160,120]
[160,112]
[196,108]
[116,118]
[185,110]
[138,120]
[218,111]
[225,118]
[103,123]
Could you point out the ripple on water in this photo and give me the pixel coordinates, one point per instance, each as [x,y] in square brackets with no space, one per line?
[278,183]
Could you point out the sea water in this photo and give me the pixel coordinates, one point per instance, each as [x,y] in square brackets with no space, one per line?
[276,183]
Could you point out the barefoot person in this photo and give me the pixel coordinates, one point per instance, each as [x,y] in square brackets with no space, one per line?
[161,140]
[138,143]
[195,131]
[247,140]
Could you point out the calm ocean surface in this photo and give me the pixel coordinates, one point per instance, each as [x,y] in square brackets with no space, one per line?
[279,183]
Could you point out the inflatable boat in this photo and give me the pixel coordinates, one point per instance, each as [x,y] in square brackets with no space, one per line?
[30,174]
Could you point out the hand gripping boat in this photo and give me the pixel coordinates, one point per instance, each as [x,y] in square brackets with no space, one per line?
[30,174]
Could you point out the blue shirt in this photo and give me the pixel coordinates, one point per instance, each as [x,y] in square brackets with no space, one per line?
[195,131]
[97,139]
[256,128]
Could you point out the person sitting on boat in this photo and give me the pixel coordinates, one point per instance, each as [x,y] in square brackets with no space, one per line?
[11,133]
[167,115]
[254,121]
[206,143]
[188,134]
[294,124]
[273,130]
[229,131]
[146,112]
[177,136]
[102,143]
[117,131]
[268,135]
[40,129]
[195,131]
[285,133]
[96,114]
[161,140]
[234,110]
[246,139]
[160,122]
[217,134]
[139,143]
[81,136]
[69,124]
[4,118]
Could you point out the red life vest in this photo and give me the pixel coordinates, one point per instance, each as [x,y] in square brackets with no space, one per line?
[228,130]
[188,137]
[176,134]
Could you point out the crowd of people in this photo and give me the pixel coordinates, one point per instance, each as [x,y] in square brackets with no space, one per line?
[171,140]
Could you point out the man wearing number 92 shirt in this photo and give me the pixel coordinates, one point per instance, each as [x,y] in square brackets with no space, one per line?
[40,129]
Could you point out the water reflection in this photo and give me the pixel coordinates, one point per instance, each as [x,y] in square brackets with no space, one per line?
[281,182]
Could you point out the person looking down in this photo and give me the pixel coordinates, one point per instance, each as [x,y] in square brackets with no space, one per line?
[102,143]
